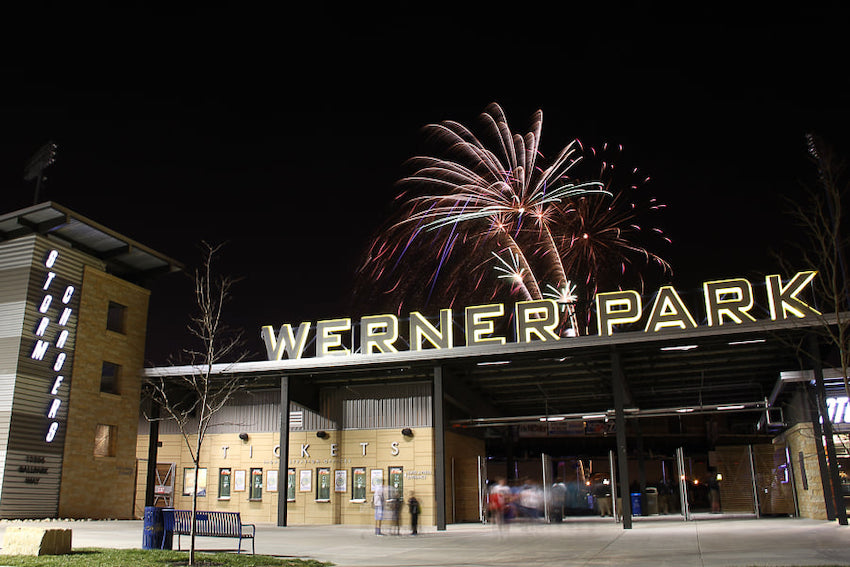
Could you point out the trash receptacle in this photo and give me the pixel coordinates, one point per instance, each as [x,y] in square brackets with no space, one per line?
[167,527]
[636,511]
[651,500]
[153,529]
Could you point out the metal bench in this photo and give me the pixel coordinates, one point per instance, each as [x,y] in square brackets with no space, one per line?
[209,524]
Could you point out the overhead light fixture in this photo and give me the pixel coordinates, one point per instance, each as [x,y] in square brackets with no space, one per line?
[747,342]
[243,436]
[594,416]
[681,347]
[734,407]
[407,432]
[322,434]
[494,363]
[553,418]
[684,410]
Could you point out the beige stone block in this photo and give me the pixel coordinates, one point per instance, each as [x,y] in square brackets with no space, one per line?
[36,541]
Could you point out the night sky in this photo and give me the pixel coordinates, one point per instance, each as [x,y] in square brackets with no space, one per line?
[284,135]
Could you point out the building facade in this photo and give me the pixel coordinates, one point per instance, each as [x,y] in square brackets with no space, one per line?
[72,338]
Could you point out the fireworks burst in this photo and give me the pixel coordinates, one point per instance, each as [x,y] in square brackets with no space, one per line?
[486,205]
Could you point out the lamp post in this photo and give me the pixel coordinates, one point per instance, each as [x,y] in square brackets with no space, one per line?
[45,156]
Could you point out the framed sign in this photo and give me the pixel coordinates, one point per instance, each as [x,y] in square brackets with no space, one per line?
[341,481]
[239,481]
[376,478]
[271,480]
[305,481]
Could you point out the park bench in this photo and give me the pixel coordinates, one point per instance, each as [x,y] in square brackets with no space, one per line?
[209,524]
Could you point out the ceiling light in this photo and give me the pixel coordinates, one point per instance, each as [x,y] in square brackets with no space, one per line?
[683,347]
[748,342]
[721,408]
[553,418]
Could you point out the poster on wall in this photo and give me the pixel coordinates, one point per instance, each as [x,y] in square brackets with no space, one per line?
[305,482]
[377,479]
[340,481]
[271,481]
[239,481]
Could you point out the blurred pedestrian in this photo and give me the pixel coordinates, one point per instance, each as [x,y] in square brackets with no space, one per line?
[413,509]
[378,504]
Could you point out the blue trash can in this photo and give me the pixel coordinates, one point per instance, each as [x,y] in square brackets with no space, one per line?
[636,511]
[152,532]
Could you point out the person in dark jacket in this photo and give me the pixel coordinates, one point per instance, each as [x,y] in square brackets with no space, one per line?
[413,509]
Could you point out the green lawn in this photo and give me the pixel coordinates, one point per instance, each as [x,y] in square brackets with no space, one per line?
[96,557]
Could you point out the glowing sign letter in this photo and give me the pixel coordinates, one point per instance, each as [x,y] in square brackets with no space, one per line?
[50,276]
[478,324]
[66,314]
[56,384]
[669,311]
[69,292]
[45,304]
[328,341]
[538,318]
[63,338]
[285,342]
[60,361]
[39,350]
[54,409]
[785,299]
[728,298]
[51,433]
[421,329]
[378,333]
[42,326]
[616,308]
[51,258]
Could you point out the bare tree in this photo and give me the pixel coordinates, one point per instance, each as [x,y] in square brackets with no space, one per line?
[192,399]
[822,244]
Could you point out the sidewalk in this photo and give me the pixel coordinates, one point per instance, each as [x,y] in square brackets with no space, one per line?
[592,542]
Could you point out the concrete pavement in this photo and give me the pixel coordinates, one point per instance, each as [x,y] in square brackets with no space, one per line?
[657,540]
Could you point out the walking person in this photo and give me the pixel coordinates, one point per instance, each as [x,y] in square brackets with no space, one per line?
[413,509]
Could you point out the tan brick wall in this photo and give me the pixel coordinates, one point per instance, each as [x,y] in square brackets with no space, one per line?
[801,438]
[103,487]
[414,453]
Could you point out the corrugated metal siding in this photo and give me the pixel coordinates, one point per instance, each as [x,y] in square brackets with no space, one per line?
[360,407]
[380,406]
[249,412]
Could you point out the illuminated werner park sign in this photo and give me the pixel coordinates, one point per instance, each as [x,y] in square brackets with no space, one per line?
[727,302]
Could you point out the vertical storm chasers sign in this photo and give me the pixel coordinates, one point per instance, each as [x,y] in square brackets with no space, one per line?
[53,330]
[40,406]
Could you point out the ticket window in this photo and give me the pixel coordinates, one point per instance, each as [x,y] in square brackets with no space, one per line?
[396,482]
[358,484]
[256,484]
[224,484]
[323,484]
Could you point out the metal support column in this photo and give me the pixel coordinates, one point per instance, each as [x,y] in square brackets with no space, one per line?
[153,446]
[439,449]
[618,381]
[832,461]
[283,463]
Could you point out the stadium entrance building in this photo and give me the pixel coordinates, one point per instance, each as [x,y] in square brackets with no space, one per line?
[655,413]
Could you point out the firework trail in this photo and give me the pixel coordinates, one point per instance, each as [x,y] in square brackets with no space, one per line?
[486,208]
